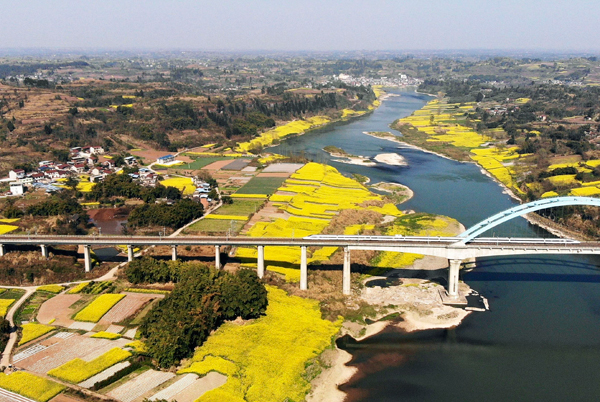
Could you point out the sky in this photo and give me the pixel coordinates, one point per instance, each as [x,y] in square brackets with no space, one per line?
[290,25]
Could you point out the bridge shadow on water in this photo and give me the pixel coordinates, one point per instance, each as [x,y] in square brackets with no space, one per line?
[532,269]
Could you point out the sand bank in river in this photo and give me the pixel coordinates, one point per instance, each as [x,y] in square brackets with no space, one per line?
[391,159]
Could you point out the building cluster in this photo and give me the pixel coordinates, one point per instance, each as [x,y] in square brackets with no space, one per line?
[82,161]
[402,80]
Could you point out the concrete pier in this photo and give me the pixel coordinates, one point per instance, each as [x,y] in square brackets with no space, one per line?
[129,253]
[260,262]
[453,278]
[174,253]
[303,269]
[2,251]
[346,277]
[218,257]
[87,258]
[44,250]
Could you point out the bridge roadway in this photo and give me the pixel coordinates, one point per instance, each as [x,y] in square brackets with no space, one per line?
[451,248]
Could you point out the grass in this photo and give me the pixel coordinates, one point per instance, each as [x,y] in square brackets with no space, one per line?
[33,331]
[261,185]
[240,207]
[265,360]
[30,386]
[78,370]
[100,306]
[202,161]
[215,226]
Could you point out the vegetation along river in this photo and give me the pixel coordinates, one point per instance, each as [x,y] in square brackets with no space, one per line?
[541,338]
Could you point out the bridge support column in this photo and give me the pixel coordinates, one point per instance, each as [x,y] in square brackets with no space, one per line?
[453,278]
[218,257]
[87,258]
[174,252]
[303,269]
[346,283]
[44,250]
[260,262]
[129,253]
[2,251]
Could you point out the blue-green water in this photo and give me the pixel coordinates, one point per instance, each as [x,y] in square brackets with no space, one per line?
[541,338]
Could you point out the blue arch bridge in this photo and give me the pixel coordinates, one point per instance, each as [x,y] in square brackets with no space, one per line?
[467,245]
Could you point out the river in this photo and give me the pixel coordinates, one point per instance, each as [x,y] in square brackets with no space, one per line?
[539,341]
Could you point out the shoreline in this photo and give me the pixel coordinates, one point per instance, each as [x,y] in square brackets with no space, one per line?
[411,146]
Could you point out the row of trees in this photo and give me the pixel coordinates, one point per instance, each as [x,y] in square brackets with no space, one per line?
[122,185]
[201,301]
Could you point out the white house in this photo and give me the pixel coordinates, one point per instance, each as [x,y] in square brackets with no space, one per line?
[165,159]
[16,188]
[16,174]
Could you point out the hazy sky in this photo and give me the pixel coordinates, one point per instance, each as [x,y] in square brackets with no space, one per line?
[301,25]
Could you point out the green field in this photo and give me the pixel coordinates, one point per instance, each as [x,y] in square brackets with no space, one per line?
[200,162]
[240,207]
[215,226]
[262,185]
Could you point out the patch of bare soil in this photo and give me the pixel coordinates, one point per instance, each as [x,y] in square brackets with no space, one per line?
[58,309]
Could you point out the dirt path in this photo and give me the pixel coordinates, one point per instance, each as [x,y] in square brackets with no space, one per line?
[6,355]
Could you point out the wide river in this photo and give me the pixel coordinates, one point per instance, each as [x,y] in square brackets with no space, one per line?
[540,340]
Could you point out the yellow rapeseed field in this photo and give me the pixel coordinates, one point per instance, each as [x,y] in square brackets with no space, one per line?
[294,127]
[106,335]
[13,220]
[4,305]
[78,288]
[33,330]
[100,306]
[78,370]
[265,360]
[321,192]
[4,229]
[184,184]
[138,346]
[30,386]
[585,191]
[227,217]
[51,288]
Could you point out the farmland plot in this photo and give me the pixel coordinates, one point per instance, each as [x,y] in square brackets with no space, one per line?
[127,307]
[140,385]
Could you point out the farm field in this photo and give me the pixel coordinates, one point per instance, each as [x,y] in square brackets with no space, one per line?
[127,307]
[184,184]
[262,359]
[140,385]
[58,309]
[201,161]
[30,386]
[261,185]
[214,226]
[240,207]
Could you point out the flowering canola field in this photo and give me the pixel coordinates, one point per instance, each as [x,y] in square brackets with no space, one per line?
[294,127]
[265,359]
[315,194]
[78,370]
[33,330]
[184,184]
[30,386]
[100,306]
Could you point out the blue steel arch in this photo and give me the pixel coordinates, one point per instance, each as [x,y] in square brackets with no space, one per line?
[523,209]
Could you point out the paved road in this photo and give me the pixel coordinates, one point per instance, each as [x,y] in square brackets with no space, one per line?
[6,355]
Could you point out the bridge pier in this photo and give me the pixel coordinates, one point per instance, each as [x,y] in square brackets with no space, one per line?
[218,257]
[303,269]
[346,283]
[453,271]
[44,250]
[260,262]
[174,252]
[129,253]
[2,251]
[87,258]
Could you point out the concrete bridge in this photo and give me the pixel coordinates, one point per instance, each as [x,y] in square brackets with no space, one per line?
[455,249]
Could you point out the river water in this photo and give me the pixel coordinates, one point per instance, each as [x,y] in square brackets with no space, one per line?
[541,338]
